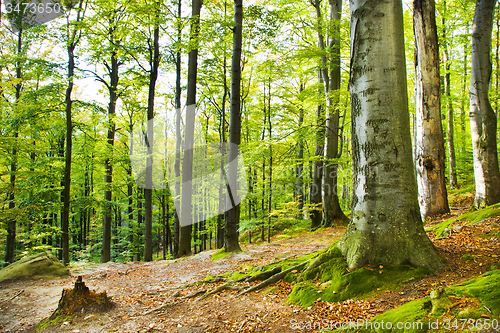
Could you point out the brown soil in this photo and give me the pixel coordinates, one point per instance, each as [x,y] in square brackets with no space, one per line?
[137,288]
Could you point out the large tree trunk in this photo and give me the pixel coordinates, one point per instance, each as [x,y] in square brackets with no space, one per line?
[233,214]
[386,227]
[187,166]
[483,121]
[430,153]
[148,190]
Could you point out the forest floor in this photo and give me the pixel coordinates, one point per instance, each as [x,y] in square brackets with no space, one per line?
[137,288]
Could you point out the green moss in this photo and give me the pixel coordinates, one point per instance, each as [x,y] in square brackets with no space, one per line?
[471,217]
[220,254]
[342,284]
[45,324]
[237,275]
[481,214]
[412,313]
[485,288]
[209,277]
[43,264]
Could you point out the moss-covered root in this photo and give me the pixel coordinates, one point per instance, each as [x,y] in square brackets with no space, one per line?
[275,278]
[328,278]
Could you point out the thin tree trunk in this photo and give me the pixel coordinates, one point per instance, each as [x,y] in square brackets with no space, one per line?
[148,190]
[317,178]
[178,139]
[483,120]
[270,193]
[300,161]
[186,217]
[449,104]
[386,226]
[10,245]
[430,153]
[233,214]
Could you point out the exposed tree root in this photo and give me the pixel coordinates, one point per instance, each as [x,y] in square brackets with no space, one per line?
[273,279]
[168,302]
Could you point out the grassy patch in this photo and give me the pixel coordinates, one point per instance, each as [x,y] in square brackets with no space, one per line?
[220,254]
[332,281]
[470,217]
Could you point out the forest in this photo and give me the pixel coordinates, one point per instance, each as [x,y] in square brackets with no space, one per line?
[153,130]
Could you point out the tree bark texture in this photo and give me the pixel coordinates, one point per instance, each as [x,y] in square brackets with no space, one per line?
[386,227]
[483,121]
[430,153]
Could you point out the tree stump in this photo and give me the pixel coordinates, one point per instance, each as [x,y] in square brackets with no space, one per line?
[80,299]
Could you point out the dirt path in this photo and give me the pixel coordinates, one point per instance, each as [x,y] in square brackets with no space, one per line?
[137,288]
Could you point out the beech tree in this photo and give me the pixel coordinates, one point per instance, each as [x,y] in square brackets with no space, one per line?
[386,226]
[430,154]
[483,121]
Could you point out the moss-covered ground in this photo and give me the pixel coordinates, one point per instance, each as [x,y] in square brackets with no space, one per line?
[442,229]
[332,281]
[475,301]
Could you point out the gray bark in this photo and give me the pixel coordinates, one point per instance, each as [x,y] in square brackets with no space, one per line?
[330,70]
[483,120]
[430,153]
[386,227]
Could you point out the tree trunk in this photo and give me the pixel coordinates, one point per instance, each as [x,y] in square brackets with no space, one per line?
[330,70]
[300,162]
[449,104]
[108,166]
[386,227]
[233,214]
[148,190]
[10,244]
[178,139]
[483,121]
[186,217]
[317,179]
[430,153]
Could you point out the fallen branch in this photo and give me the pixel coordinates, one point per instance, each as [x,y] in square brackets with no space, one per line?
[274,278]
[15,296]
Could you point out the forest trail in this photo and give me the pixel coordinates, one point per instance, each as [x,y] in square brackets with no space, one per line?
[137,288]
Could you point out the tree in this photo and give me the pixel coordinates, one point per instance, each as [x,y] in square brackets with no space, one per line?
[430,154]
[73,36]
[386,227]
[187,166]
[330,72]
[449,104]
[483,121]
[233,214]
